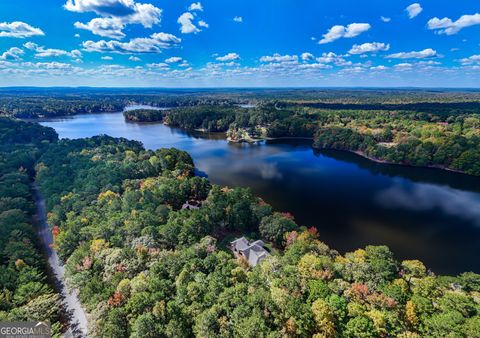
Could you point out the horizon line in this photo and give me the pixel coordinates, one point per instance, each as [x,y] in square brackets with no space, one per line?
[241,87]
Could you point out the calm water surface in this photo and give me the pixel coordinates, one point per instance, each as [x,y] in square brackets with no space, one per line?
[428,214]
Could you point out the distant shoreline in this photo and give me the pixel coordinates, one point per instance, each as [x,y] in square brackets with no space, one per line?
[356,152]
[380,161]
[257,140]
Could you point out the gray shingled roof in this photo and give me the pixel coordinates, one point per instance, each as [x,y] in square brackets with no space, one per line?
[240,244]
[253,252]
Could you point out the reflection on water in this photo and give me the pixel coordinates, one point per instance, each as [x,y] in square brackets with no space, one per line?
[420,213]
[415,174]
[426,197]
[270,171]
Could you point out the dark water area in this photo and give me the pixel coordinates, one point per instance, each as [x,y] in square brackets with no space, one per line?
[420,213]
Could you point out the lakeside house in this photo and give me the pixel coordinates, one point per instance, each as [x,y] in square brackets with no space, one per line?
[253,252]
[192,204]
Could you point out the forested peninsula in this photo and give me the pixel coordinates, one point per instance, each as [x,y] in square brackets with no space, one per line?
[146,266]
[446,139]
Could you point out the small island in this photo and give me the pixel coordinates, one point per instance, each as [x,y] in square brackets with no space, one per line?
[144,115]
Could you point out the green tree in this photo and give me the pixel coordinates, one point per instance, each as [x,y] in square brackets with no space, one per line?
[275,226]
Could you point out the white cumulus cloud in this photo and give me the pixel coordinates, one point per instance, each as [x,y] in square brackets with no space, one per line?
[106,27]
[331,57]
[42,52]
[174,59]
[413,10]
[196,6]
[13,53]
[423,54]
[18,29]
[153,44]
[403,66]
[186,24]
[314,66]
[160,65]
[228,57]
[449,27]
[472,60]
[202,23]
[338,31]
[238,19]
[128,11]
[279,58]
[307,56]
[115,15]
[379,68]
[370,47]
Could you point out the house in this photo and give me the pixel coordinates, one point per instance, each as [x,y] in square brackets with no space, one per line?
[253,252]
[191,204]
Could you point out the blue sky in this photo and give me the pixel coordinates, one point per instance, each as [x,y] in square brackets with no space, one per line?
[240,43]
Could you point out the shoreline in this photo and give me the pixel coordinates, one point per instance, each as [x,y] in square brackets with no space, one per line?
[356,152]
[380,161]
[258,140]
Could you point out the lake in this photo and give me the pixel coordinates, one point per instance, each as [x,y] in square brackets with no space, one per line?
[420,213]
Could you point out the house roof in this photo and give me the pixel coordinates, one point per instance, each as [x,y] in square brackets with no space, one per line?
[253,252]
[258,242]
[240,244]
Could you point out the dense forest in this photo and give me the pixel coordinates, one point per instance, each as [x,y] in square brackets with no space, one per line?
[25,293]
[143,115]
[51,102]
[443,140]
[148,267]
[38,103]
[434,128]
